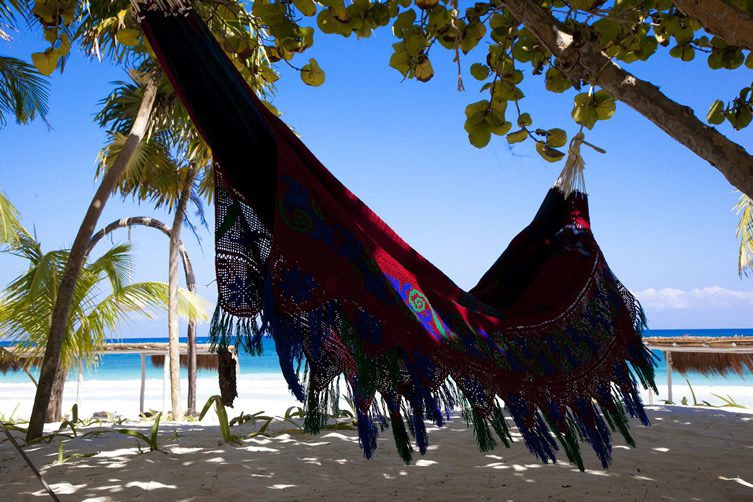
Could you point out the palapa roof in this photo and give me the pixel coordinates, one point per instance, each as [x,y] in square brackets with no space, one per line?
[707,355]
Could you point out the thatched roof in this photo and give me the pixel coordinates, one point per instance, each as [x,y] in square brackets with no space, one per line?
[203,361]
[11,359]
[707,355]
[678,343]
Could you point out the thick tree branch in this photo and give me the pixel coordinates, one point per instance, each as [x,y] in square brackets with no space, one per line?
[721,18]
[584,60]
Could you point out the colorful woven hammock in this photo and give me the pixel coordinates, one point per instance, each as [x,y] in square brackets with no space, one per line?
[549,337]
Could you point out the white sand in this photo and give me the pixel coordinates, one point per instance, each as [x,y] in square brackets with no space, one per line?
[268,392]
[257,392]
[688,454]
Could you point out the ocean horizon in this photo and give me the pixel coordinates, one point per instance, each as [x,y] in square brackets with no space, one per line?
[128,366]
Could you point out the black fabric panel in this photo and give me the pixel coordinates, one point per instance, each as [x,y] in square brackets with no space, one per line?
[221,105]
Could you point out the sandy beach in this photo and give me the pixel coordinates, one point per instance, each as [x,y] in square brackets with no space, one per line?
[268,392]
[688,454]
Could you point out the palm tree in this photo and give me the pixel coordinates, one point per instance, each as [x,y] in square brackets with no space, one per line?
[29,300]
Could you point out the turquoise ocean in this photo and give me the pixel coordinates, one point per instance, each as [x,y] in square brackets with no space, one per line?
[127,366]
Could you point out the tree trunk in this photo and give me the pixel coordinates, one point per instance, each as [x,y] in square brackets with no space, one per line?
[55,407]
[51,361]
[721,18]
[172,299]
[583,60]
[190,285]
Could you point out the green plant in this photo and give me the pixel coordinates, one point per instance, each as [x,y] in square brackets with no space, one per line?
[219,408]
[62,459]
[729,401]
[152,441]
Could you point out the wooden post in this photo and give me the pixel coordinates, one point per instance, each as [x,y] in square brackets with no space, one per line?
[165,383]
[668,357]
[80,381]
[143,382]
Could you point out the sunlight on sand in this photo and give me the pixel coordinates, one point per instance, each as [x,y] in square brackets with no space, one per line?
[689,452]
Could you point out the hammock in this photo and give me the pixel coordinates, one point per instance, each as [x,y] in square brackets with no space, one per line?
[549,337]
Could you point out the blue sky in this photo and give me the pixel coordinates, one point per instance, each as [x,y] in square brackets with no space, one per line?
[662,216]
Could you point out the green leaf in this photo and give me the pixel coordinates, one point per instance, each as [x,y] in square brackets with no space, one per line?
[524,120]
[400,59]
[479,71]
[715,60]
[46,61]
[51,35]
[556,138]
[584,112]
[423,70]
[716,113]
[426,4]
[517,136]
[307,7]
[65,45]
[472,34]
[128,37]
[740,117]
[479,107]
[749,60]
[607,29]
[549,154]
[480,136]
[498,125]
[312,74]
[403,22]
[734,59]
[556,81]
[683,52]
[605,105]
[581,4]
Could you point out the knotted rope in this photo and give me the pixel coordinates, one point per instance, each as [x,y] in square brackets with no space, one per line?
[571,179]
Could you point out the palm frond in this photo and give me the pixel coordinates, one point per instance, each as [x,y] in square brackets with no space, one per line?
[116,264]
[151,173]
[744,208]
[27,304]
[192,306]
[9,9]
[23,91]
[11,229]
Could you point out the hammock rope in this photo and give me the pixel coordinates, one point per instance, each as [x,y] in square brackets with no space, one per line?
[548,338]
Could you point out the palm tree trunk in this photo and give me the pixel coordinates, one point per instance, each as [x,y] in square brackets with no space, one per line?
[51,361]
[172,299]
[55,408]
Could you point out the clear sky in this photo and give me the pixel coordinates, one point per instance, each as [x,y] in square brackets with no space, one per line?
[662,216]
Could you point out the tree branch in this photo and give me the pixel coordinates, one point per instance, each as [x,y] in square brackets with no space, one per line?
[722,19]
[584,60]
